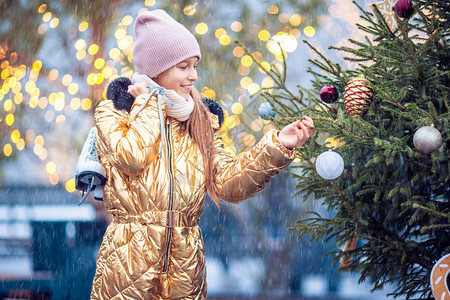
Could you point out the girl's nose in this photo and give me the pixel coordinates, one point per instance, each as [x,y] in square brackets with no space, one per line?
[193,75]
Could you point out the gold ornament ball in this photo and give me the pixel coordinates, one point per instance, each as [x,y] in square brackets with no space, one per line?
[427,139]
[357,97]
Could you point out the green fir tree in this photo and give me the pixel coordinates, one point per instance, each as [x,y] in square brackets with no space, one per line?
[391,198]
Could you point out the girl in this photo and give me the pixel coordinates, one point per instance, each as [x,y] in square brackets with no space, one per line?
[162,155]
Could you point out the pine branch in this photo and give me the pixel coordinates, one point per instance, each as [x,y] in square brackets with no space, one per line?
[380,19]
[434,226]
[393,100]
[279,79]
[334,69]
[273,99]
[409,48]
[416,205]
[424,20]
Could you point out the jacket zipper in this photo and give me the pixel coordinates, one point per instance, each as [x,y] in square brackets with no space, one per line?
[169,229]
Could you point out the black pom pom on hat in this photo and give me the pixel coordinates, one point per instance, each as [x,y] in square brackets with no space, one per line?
[215,108]
[118,93]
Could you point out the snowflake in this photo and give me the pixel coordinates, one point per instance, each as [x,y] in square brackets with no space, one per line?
[386,9]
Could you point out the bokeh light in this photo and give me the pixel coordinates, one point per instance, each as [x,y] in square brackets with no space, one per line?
[253,88]
[120,33]
[53,74]
[295,20]
[201,28]
[18,98]
[238,51]
[70,185]
[189,10]
[256,125]
[66,80]
[20,144]
[273,10]
[15,136]
[75,103]
[42,8]
[7,106]
[246,61]
[127,20]
[54,179]
[287,42]
[7,150]
[249,140]
[50,167]
[83,26]
[283,18]
[264,35]
[59,104]
[43,102]
[42,28]
[86,104]
[47,16]
[9,119]
[266,67]
[80,44]
[236,26]
[246,81]
[220,32]
[309,31]
[114,53]
[243,70]
[99,63]
[237,108]
[72,88]
[208,93]
[54,22]
[224,40]
[93,49]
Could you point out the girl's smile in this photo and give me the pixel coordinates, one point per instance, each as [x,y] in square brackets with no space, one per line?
[180,77]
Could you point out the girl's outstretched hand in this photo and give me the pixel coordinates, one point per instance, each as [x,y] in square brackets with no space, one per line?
[296,134]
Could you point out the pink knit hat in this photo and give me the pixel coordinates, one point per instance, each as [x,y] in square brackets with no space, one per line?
[161,43]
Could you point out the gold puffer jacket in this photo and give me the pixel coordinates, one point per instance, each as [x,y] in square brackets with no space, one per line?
[153,249]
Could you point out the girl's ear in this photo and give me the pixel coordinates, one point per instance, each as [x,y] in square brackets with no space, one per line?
[118,93]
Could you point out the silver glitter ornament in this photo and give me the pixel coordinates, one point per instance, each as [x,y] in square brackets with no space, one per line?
[427,139]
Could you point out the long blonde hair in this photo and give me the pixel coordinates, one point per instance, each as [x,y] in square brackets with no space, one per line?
[201,131]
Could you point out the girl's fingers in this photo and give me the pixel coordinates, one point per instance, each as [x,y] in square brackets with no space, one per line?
[131,89]
[307,131]
[297,124]
[303,130]
[308,121]
[137,89]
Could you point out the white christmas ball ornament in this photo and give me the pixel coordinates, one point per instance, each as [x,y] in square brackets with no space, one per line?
[427,139]
[329,165]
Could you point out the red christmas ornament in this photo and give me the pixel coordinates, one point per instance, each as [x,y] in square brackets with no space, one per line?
[329,94]
[404,8]
[357,97]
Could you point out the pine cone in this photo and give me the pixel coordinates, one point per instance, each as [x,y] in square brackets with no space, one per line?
[357,97]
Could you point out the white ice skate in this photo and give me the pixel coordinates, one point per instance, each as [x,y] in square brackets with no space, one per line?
[90,174]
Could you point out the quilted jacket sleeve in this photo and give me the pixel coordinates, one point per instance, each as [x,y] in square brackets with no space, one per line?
[128,147]
[239,178]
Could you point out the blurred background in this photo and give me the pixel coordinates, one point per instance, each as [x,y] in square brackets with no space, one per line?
[56,60]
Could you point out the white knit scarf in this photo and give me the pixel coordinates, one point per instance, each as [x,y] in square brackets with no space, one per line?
[177,106]
[181,109]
